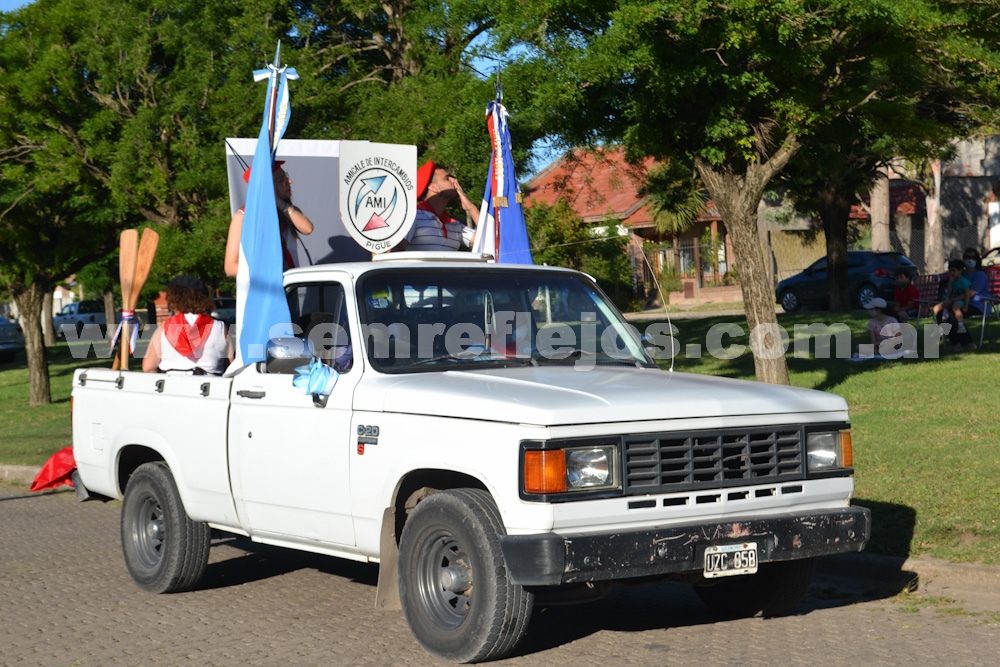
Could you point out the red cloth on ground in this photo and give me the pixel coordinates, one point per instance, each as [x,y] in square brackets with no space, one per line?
[56,471]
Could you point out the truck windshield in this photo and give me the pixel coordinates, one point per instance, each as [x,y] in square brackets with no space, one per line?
[434,319]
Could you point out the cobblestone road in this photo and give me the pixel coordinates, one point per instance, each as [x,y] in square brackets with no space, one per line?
[66,599]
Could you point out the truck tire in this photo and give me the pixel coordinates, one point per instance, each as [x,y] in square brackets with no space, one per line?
[453,584]
[165,551]
[774,590]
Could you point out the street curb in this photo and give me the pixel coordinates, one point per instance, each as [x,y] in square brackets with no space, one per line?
[12,473]
[661,316]
[971,582]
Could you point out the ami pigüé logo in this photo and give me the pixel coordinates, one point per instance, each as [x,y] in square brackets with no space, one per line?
[378,198]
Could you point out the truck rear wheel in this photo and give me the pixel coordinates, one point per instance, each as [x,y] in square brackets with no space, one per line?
[453,584]
[165,551]
[773,591]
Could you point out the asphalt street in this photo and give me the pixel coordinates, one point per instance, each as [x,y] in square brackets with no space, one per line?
[67,600]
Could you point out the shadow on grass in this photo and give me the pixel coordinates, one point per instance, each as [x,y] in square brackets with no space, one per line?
[892,528]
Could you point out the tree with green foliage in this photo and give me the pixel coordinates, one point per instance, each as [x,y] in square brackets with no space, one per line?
[825,180]
[56,213]
[404,72]
[111,114]
[559,237]
[919,105]
[735,89]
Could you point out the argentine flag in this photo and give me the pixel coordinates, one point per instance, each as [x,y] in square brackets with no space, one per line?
[501,231]
[261,308]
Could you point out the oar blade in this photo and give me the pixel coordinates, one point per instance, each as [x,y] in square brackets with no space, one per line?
[144,262]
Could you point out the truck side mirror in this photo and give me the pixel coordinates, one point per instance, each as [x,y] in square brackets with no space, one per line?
[286,354]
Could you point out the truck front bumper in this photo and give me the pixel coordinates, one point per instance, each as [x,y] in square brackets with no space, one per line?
[551,559]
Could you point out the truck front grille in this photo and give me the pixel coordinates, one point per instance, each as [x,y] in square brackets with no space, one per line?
[687,460]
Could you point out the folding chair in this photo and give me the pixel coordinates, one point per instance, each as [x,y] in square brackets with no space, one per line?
[928,287]
[990,302]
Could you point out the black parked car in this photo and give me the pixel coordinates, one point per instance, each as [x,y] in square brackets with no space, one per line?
[11,340]
[870,274]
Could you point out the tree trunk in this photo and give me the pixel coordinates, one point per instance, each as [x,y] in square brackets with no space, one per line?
[48,334]
[29,300]
[109,308]
[835,211]
[737,197]
[933,234]
[880,215]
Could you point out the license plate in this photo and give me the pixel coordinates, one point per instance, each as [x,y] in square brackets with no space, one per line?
[730,560]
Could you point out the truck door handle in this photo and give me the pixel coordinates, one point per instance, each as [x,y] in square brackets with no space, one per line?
[245,393]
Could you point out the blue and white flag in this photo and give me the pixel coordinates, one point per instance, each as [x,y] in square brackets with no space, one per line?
[261,307]
[501,231]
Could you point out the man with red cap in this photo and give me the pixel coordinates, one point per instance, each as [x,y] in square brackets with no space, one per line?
[292,221]
[433,229]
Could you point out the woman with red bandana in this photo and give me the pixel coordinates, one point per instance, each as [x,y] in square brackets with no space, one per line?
[190,342]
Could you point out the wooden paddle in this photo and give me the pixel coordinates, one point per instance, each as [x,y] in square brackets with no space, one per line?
[127,257]
[147,251]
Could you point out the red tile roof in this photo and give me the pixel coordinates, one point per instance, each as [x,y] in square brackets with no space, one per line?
[905,198]
[599,185]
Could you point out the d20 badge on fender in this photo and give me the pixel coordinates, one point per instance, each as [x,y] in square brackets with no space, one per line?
[378,193]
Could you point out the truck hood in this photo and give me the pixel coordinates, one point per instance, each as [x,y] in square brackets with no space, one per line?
[552,396]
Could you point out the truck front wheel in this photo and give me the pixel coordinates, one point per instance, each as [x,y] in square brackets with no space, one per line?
[453,584]
[773,591]
[165,551]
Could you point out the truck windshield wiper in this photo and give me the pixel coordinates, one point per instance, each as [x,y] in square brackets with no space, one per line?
[588,356]
[477,355]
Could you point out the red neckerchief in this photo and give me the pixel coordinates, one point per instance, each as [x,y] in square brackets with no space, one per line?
[187,338]
[445,219]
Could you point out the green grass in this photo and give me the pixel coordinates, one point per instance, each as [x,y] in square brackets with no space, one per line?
[31,435]
[710,307]
[926,431]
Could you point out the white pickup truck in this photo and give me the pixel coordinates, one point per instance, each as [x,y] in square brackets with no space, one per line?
[78,314]
[498,438]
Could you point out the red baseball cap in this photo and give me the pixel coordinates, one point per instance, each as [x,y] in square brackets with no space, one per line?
[275,167]
[424,175]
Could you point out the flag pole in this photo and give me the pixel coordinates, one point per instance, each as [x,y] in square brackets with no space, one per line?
[273,102]
[497,155]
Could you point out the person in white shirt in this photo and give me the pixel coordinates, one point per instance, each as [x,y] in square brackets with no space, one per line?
[434,229]
[191,341]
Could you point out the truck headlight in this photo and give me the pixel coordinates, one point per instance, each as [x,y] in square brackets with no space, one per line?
[829,450]
[571,469]
[589,468]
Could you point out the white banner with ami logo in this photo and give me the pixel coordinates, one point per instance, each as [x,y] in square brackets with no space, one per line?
[322,182]
[378,192]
